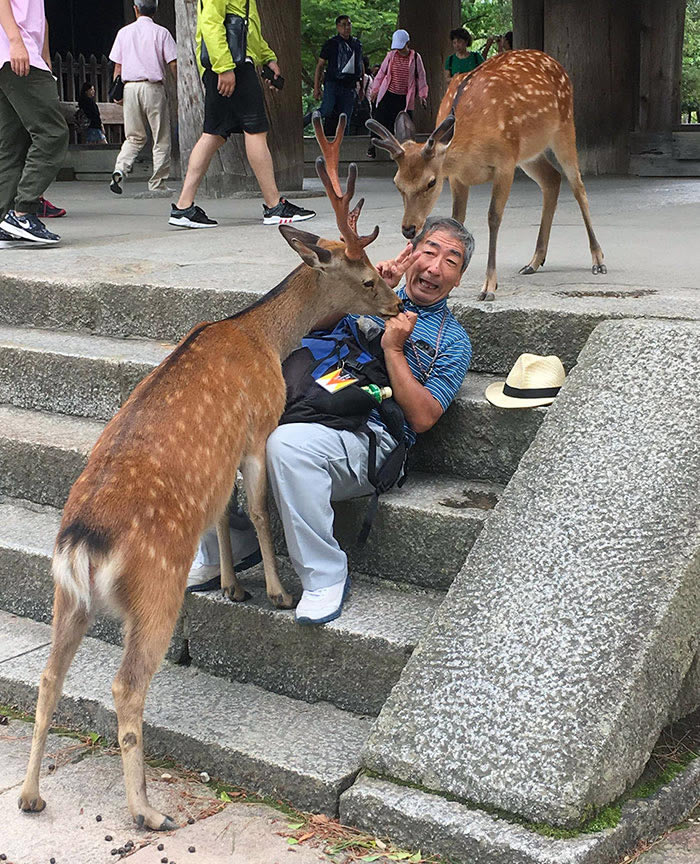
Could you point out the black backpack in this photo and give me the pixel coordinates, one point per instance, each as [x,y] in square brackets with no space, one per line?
[354,348]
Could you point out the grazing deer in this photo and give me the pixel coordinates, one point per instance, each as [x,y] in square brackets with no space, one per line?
[164,468]
[504,113]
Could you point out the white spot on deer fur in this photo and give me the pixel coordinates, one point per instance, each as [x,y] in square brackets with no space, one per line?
[151,552]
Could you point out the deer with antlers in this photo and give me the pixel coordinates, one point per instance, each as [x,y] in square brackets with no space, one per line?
[164,468]
[503,114]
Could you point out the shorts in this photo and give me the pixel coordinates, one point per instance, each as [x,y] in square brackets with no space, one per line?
[243,111]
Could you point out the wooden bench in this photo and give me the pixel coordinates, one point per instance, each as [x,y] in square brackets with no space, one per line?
[112,119]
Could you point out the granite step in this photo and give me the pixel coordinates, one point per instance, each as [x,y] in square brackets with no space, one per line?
[421,535]
[239,733]
[353,661]
[91,376]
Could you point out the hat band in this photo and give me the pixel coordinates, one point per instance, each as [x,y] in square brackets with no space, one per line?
[534,393]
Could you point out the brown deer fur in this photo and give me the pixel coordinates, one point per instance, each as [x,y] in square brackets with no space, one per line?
[163,471]
[504,113]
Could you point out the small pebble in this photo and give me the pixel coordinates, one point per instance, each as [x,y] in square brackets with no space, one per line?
[191,849]
[160,847]
[51,767]
[163,861]
[190,821]
[3,857]
[3,722]
[52,861]
[204,777]
[115,852]
[108,837]
[98,818]
[121,850]
[166,776]
[129,845]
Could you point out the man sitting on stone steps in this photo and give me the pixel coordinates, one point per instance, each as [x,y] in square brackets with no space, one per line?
[427,354]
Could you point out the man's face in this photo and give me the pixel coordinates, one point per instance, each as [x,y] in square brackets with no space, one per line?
[344,28]
[437,270]
[459,45]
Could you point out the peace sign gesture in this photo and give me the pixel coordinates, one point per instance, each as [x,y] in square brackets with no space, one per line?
[391,271]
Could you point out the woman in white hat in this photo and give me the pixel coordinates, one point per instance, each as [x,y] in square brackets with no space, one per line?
[400,77]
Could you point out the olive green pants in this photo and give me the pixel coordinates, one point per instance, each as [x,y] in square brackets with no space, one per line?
[33,138]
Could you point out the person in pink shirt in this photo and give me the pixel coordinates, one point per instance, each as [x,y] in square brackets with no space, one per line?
[33,131]
[401,76]
[142,53]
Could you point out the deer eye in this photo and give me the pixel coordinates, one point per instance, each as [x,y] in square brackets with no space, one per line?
[432,183]
[369,283]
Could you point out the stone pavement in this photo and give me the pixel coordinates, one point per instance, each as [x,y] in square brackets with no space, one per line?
[87,782]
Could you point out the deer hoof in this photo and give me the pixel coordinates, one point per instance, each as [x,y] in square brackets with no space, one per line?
[598,268]
[528,270]
[31,805]
[282,601]
[167,824]
[226,594]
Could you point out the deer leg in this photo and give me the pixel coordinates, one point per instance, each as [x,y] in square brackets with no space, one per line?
[499,195]
[548,179]
[460,196]
[564,147]
[148,633]
[69,626]
[254,472]
[230,586]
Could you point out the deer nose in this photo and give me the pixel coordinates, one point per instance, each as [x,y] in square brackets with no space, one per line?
[408,231]
[400,306]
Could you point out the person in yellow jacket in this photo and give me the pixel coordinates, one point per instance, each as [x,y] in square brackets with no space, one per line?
[233,102]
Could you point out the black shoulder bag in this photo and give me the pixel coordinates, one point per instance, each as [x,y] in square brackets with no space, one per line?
[236,37]
[116,89]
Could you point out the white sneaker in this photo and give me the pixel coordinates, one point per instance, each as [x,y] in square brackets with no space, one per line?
[322,605]
[246,553]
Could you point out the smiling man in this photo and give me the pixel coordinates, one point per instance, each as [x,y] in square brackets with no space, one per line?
[427,354]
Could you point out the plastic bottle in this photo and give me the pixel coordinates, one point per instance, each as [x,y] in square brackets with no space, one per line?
[378,393]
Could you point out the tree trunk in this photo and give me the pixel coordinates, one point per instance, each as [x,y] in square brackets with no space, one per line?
[598,44]
[432,41]
[528,24]
[660,64]
[229,171]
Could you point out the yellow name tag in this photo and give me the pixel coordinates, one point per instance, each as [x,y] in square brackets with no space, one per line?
[335,380]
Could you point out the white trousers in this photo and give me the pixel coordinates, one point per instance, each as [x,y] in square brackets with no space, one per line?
[145,103]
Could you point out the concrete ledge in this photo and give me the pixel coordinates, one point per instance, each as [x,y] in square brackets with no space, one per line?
[305,754]
[470,836]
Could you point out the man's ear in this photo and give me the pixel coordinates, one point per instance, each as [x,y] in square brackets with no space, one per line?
[306,246]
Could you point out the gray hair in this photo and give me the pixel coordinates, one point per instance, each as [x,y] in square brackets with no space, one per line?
[453,227]
[146,7]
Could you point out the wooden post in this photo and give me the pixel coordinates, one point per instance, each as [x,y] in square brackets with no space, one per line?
[229,171]
[660,63]
[528,24]
[598,44]
[430,36]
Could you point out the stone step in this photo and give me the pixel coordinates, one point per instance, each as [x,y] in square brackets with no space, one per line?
[42,454]
[306,754]
[90,376]
[353,662]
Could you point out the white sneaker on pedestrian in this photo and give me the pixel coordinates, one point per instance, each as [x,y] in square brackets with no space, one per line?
[321,605]
[246,553]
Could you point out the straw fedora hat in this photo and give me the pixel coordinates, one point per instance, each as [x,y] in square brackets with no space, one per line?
[533,381]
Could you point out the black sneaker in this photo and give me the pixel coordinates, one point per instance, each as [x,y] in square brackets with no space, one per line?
[115,185]
[285,212]
[28,227]
[190,217]
[7,241]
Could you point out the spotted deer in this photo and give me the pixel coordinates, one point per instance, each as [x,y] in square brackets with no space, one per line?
[503,114]
[164,468]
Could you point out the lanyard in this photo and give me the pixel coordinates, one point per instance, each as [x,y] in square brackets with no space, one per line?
[426,372]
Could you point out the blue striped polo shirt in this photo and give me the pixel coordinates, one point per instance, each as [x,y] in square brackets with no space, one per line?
[446,368]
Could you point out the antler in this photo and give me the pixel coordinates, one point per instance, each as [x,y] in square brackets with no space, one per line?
[327,170]
[386,140]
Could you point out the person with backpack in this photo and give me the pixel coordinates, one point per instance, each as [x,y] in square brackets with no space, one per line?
[463,60]
[342,57]
[322,452]
[400,78]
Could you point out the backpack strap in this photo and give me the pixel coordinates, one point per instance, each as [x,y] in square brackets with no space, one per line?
[383,479]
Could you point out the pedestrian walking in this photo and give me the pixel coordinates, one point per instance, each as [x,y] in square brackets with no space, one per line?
[401,76]
[33,131]
[141,53]
[233,102]
[342,57]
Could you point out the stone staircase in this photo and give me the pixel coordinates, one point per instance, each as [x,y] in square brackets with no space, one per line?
[245,693]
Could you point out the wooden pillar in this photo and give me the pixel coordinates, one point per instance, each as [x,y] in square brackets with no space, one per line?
[660,63]
[229,171]
[430,36]
[597,42]
[528,24]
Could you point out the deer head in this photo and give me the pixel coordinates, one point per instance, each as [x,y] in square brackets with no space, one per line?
[344,264]
[420,173]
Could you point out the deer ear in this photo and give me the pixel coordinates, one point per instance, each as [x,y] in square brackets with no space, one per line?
[404,128]
[306,246]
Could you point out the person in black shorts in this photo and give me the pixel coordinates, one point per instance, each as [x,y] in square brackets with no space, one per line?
[233,102]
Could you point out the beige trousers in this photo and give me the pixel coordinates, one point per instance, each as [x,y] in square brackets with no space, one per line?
[145,102]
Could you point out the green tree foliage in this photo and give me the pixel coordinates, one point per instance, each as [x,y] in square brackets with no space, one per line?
[690,80]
